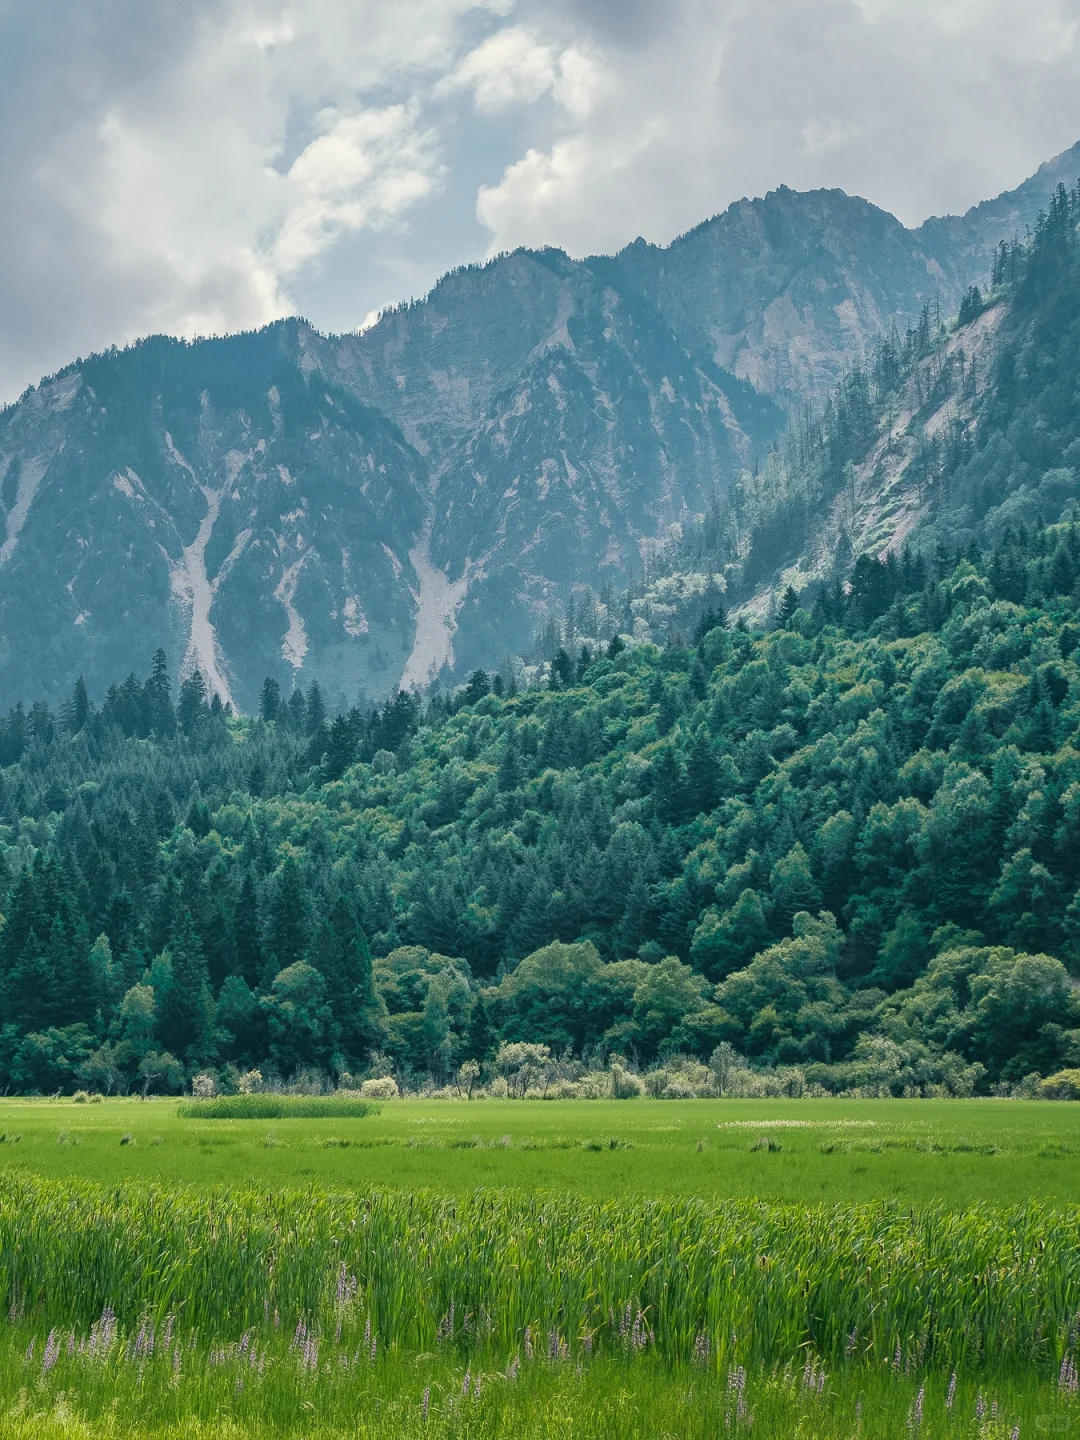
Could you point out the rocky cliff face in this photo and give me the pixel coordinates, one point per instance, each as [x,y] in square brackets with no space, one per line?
[402,505]
[787,290]
[784,291]
[366,510]
[215,499]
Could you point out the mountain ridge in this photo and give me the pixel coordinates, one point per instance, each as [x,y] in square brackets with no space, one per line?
[408,503]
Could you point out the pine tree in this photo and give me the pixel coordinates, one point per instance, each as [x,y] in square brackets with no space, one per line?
[562,670]
[73,986]
[316,709]
[77,711]
[789,604]
[479,685]
[246,948]
[27,995]
[186,1013]
[297,711]
[192,707]
[160,714]
[340,748]
[340,953]
[510,766]
[701,773]
[270,700]
[287,931]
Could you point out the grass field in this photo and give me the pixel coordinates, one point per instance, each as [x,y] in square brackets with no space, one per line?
[954,1152]
[585,1270]
[430,1398]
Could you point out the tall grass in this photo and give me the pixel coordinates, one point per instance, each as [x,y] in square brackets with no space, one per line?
[271,1385]
[277,1107]
[492,1275]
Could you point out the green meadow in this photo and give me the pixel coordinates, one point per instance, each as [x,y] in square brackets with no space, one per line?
[588,1270]
[919,1152]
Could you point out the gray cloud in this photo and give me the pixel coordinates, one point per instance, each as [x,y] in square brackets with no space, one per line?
[210,165]
[922,105]
[623,23]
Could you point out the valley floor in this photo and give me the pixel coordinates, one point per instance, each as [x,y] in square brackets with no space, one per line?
[952,1152]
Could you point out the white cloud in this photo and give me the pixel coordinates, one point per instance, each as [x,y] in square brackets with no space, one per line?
[922,105]
[183,171]
[362,170]
[508,68]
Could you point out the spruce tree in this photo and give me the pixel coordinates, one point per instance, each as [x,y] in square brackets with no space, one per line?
[270,700]
[247,934]
[192,707]
[28,995]
[339,951]
[186,1014]
[316,709]
[789,604]
[160,714]
[287,931]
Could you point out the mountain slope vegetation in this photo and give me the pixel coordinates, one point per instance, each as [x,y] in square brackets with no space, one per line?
[850,844]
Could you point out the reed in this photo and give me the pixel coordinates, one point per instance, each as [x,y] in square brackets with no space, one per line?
[105,1385]
[498,1273]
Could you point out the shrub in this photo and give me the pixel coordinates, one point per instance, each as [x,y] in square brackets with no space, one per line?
[384,1088]
[1065,1085]
[276,1107]
[625,1085]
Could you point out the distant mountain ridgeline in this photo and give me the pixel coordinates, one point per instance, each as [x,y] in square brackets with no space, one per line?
[409,504]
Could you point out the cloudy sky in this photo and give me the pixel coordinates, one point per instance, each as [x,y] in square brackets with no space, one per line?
[197,166]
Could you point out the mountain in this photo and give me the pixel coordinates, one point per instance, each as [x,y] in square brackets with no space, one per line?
[406,504]
[787,291]
[963,245]
[266,504]
[956,437]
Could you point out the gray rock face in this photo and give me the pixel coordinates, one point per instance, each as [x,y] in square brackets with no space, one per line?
[388,508]
[787,290]
[784,291]
[212,498]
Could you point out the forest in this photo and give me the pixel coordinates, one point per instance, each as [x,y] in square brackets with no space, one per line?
[850,845]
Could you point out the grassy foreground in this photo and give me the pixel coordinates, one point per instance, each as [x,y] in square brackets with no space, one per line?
[742,1281]
[261,1392]
[952,1152]
[685,1281]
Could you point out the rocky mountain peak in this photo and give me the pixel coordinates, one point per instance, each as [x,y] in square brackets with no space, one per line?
[406,504]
